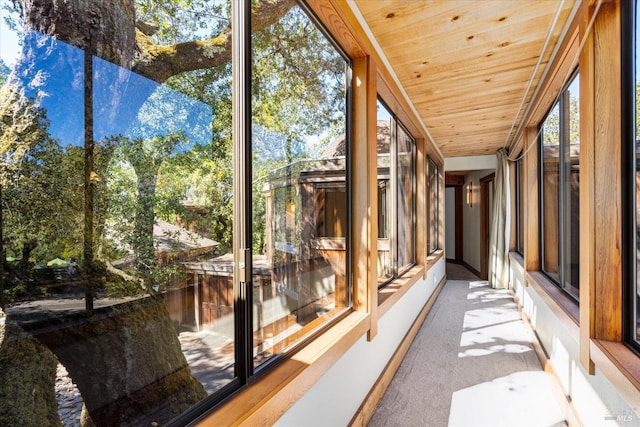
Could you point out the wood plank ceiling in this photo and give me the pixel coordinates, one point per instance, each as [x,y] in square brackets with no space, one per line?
[466,64]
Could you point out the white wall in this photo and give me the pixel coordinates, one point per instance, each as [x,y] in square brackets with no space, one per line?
[594,398]
[336,397]
[470,163]
[450,223]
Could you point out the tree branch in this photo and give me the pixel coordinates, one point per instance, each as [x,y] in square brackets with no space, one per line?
[123,275]
[146,28]
[161,62]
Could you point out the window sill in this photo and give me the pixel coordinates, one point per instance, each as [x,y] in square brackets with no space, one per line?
[565,308]
[392,293]
[269,397]
[433,258]
[517,261]
[620,366]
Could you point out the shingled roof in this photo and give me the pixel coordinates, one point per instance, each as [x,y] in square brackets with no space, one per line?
[171,238]
[337,147]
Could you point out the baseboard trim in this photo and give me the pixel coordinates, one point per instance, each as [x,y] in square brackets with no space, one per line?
[370,403]
[471,269]
[568,409]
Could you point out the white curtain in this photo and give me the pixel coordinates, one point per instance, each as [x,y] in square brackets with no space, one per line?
[500,229]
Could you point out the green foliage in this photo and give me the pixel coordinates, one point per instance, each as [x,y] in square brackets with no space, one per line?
[121,289]
[169,162]
[179,20]
[551,127]
[16,292]
[205,172]
[298,78]
[4,72]
[41,202]
[135,167]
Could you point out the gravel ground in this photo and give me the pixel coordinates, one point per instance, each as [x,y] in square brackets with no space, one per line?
[69,399]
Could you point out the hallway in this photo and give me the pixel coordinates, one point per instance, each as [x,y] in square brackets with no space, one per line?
[472,364]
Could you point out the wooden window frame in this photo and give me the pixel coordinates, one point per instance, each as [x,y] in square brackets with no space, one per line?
[270,395]
[601,288]
[397,270]
[563,145]
[245,373]
[629,173]
[433,210]
[599,329]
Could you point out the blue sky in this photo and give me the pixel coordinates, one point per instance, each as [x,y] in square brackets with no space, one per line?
[124,103]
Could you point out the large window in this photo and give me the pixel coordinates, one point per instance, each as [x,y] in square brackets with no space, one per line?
[560,190]
[433,207]
[117,205]
[396,197]
[300,180]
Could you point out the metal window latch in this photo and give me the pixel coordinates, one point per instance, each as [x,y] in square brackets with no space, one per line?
[244,265]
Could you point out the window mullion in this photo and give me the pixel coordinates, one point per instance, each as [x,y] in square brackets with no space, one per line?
[241,95]
[562,193]
[541,204]
[393,180]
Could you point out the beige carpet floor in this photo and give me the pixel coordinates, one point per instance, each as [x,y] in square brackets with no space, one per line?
[472,364]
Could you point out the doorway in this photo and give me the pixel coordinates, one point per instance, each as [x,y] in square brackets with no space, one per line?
[453,210]
[486,217]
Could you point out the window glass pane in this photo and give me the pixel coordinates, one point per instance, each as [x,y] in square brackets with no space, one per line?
[331,205]
[637,173]
[406,211]
[116,210]
[550,193]
[299,149]
[520,206]
[561,190]
[571,182]
[433,206]
[385,266]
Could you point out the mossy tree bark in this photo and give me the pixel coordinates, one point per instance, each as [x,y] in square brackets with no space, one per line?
[27,379]
[127,363]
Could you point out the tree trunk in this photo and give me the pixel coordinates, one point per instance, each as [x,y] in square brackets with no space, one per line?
[143,247]
[89,212]
[108,25]
[126,361]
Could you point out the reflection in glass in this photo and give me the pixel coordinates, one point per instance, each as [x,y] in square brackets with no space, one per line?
[434,217]
[385,205]
[116,221]
[561,190]
[406,204]
[550,191]
[571,182]
[396,164]
[299,184]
